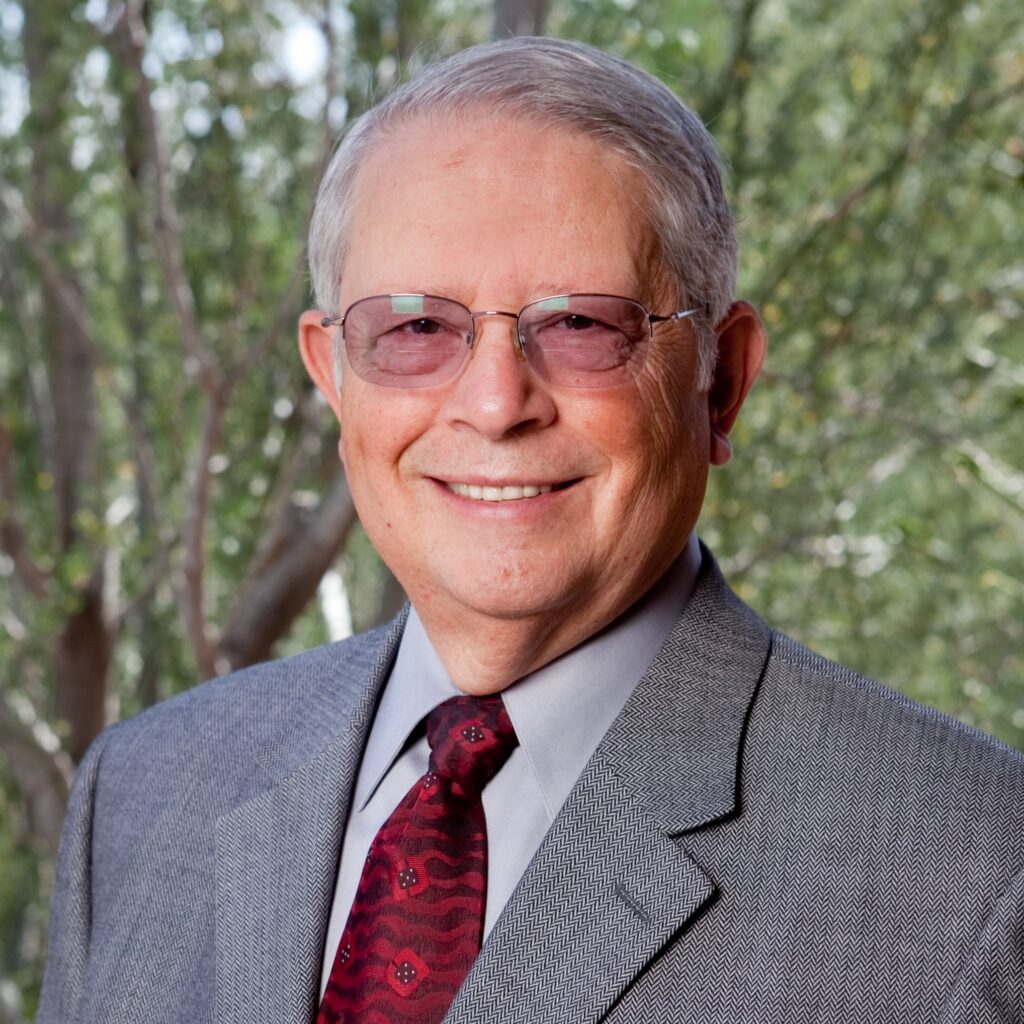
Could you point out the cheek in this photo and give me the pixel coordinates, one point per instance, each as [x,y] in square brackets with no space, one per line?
[660,457]
[376,427]
[676,413]
[369,462]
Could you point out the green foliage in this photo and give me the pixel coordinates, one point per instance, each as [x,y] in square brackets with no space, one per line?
[875,505]
[22,915]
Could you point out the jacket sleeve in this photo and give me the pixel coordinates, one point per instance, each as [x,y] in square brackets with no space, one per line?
[990,988]
[71,913]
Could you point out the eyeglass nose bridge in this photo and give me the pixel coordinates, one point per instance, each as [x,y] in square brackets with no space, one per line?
[518,342]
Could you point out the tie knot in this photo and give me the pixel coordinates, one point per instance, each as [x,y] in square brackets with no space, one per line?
[470,739]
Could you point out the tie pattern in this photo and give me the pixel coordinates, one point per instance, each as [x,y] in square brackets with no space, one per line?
[416,923]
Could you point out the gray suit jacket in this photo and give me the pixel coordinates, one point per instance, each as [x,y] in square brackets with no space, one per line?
[761,836]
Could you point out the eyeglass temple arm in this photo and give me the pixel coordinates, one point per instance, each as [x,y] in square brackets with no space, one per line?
[332,321]
[679,314]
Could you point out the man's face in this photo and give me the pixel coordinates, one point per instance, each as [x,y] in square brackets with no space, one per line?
[496,214]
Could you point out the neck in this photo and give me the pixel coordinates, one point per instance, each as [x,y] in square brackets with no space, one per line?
[485,653]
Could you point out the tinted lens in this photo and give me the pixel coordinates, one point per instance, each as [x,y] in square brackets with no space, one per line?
[406,341]
[586,341]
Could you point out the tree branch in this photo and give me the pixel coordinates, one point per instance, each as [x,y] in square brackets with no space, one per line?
[41,406]
[71,366]
[736,71]
[973,99]
[155,575]
[269,602]
[292,556]
[280,502]
[283,316]
[12,534]
[44,778]
[194,535]
[839,213]
[130,36]
[73,309]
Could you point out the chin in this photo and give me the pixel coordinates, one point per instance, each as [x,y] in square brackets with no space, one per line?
[504,596]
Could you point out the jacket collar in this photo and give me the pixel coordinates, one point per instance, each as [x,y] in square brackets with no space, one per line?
[678,741]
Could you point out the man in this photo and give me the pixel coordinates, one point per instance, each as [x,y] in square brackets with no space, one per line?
[529,337]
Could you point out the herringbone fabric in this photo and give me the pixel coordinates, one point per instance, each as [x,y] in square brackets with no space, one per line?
[762,837]
[417,918]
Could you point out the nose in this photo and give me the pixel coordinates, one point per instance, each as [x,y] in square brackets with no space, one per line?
[498,394]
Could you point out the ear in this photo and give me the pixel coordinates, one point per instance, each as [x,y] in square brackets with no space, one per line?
[316,343]
[741,347]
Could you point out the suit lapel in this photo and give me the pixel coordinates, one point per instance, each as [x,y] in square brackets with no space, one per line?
[611,883]
[605,892]
[277,854]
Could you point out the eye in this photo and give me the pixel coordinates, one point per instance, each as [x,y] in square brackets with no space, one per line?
[569,327]
[416,335]
[577,322]
[423,326]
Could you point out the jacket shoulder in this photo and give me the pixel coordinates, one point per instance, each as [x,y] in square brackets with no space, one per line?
[878,755]
[228,737]
[260,694]
[878,713]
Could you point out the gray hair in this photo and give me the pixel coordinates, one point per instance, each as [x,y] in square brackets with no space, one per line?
[573,86]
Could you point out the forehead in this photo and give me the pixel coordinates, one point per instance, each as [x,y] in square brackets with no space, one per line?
[506,206]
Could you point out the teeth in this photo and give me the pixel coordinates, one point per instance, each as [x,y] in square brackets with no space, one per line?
[513,492]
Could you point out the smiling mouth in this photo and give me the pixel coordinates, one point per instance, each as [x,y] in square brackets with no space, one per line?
[508,492]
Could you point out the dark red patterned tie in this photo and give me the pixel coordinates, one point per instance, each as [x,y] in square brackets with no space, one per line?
[417,920]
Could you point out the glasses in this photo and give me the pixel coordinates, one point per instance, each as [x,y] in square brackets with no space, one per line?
[575,341]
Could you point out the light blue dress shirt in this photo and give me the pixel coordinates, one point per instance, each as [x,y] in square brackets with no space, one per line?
[560,714]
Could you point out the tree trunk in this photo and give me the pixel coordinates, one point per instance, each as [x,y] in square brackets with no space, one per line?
[270,601]
[145,623]
[82,660]
[82,655]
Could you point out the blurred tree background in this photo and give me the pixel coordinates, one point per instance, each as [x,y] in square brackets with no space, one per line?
[171,504]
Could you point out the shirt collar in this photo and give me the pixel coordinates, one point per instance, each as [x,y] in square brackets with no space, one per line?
[561,711]
[418,683]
